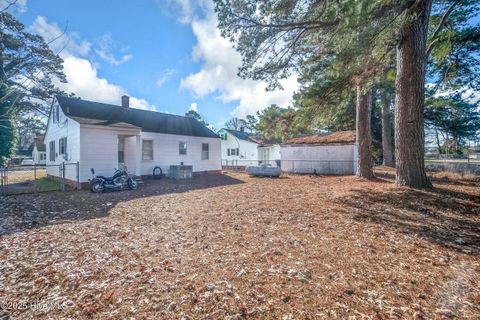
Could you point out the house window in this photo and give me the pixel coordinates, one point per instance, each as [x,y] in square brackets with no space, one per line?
[233,152]
[182,148]
[56,114]
[43,156]
[62,145]
[147,150]
[205,151]
[52,150]
[223,136]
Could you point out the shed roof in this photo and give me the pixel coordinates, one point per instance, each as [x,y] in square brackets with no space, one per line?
[149,121]
[340,137]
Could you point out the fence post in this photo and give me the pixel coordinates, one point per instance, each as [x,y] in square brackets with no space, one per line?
[78,176]
[63,176]
[35,178]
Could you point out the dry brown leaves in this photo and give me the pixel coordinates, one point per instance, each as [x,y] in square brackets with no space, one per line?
[233,247]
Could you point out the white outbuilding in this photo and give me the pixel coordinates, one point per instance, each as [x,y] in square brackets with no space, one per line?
[333,153]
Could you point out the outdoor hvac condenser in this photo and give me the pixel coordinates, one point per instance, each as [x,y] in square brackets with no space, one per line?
[181,172]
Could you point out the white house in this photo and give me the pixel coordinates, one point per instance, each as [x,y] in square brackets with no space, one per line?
[104,136]
[39,154]
[334,153]
[269,153]
[241,148]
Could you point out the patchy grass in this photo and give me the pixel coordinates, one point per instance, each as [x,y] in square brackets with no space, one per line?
[231,246]
[29,181]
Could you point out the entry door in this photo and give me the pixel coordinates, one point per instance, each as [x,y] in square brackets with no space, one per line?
[121,151]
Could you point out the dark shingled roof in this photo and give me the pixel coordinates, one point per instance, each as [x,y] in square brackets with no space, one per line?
[250,137]
[150,121]
[38,141]
[242,135]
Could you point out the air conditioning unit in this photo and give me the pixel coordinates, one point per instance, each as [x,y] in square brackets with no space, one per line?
[180,172]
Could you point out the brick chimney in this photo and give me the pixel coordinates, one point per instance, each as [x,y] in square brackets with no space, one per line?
[126,101]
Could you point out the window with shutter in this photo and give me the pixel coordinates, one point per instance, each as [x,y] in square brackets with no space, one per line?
[52,150]
[62,145]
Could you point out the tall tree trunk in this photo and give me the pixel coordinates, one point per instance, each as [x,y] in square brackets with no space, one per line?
[387,145]
[364,134]
[409,98]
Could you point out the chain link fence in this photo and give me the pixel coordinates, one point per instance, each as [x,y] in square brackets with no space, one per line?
[453,163]
[37,178]
[333,167]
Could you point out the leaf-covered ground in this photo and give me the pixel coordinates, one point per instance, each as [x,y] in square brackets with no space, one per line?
[234,247]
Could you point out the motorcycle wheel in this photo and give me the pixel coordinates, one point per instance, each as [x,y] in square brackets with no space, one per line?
[132,184]
[97,187]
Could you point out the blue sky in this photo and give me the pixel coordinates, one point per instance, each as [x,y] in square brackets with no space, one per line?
[167,55]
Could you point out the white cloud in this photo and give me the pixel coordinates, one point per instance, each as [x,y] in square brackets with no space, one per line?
[164,77]
[218,74]
[14,6]
[194,107]
[81,73]
[65,43]
[186,10]
[104,51]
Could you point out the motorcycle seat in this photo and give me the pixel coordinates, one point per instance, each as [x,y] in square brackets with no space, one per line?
[105,178]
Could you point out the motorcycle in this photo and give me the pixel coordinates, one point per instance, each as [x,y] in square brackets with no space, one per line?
[120,180]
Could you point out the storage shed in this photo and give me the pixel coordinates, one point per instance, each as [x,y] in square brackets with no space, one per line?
[333,153]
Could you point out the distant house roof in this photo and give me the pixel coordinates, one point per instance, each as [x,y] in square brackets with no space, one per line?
[340,137]
[250,137]
[150,121]
[242,135]
[38,141]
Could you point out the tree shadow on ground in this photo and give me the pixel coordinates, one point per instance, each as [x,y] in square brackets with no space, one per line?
[439,215]
[28,211]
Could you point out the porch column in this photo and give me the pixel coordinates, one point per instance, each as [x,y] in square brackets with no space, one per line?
[138,155]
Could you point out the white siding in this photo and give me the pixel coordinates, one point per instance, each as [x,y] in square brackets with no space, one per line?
[269,154]
[64,127]
[36,156]
[248,151]
[325,159]
[166,152]
[99,150]
[99,147]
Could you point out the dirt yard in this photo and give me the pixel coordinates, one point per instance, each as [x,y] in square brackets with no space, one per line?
[234,247]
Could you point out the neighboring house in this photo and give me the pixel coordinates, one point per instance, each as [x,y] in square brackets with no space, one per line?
[269,153]
[241,148]
[474,152]
[104,136]
[334,153]
[39,152]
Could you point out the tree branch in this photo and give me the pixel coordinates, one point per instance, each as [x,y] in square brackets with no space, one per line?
[439,27]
